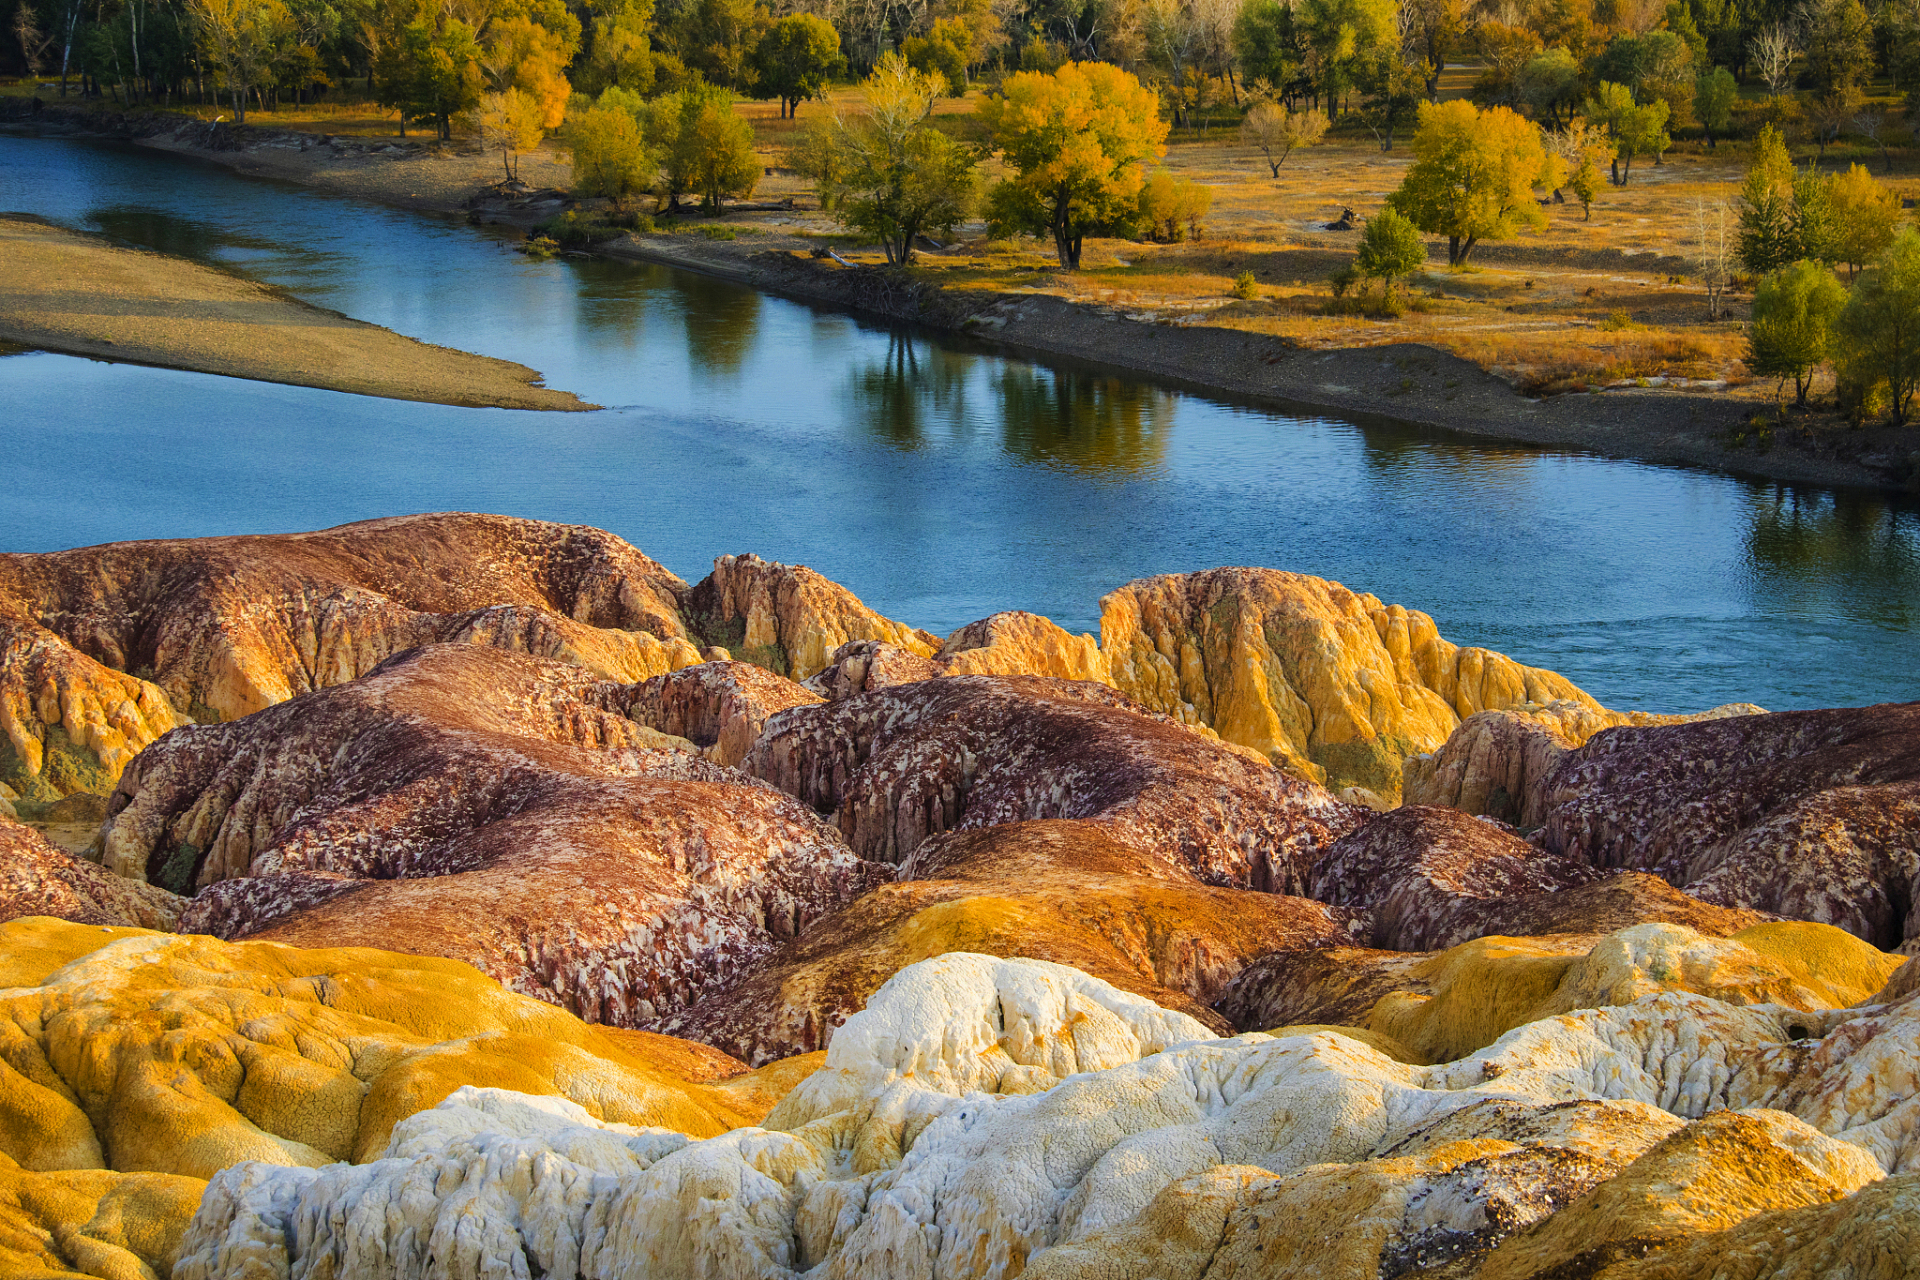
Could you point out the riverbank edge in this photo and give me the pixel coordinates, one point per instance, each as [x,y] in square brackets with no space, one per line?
[1399,385]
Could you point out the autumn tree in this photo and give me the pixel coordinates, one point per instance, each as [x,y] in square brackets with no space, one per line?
[523,56]
[1878,332]
[946,51]
[1473,176]
[1076,141]
[888,173]
[1581,147]
[708,149]
[1793,311]
[1864,215]
[609,149]
[1276,132]
[793,60]
[1171,208]
[239,38]
[512,121]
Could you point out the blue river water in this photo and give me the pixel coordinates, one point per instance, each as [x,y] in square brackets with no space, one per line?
[938,480]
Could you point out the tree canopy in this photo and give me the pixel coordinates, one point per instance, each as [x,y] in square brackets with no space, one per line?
[793,60]
[1076,141]
[1473,175]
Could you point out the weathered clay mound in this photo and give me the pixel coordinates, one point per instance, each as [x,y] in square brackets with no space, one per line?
[479,804]
[1063,891]
[137,1065]
[217,628]
[985,1118]
[1814,815]
[1414,869]
[37,879]
[1444,1005]
[897,765]
[788,618]
[718,706]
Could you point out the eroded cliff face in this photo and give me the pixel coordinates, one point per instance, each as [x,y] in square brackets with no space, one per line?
[899,764]
[983,1119]
[483,805]
[218,628]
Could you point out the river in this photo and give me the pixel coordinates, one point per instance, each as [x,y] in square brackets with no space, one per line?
[936,479]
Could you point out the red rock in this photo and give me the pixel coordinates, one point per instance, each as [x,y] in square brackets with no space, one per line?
[1814,815]
[897,765]
[483,805]
[1414,869]
[37,879]
[218,628]
[718,706]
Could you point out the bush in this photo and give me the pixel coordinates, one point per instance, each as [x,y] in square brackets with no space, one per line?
[1245,287]
[1344,280]
[1171,208]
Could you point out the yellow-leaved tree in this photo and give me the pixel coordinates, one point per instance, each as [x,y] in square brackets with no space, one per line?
[1864,215]
[522,55]
[1473,175]
[512,121]
[1077,141]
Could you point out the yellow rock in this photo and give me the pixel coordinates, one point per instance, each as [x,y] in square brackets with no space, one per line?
[94,1223]
[1713,1174]
[788,618]
[1329,684]
[184,1055]
[1485,988]
[1023,644]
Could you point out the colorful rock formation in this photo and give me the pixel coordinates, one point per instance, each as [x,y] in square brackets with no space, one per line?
[482,805]
[900,764]
[984,1118]
[1062,891]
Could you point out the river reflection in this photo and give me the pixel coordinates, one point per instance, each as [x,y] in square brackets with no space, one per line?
[939,479]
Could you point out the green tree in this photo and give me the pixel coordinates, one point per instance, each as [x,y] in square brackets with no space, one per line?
[708,149]
[1390,248]
[1076,142]
[1816,229]
[1265,43]
[1635,129]
[1837,38]
[610,154]
[426,65]
[1879,330]
[621,48]
[1793,314]
[240,39]
[890,174]
[1473,176]
[946,51]
[1864,217]
[1338,36]
[794,59]
[1714,94]
[1767,237]
[1550,84]
[716,38]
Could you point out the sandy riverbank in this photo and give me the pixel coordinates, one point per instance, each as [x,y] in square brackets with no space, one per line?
[1404,383]
[76,294]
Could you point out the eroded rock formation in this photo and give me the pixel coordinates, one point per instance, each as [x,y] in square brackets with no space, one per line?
[1811,814]
[897,765]
[788,618]
[1063,891]
[483,805]
[37,879]
[986,1118]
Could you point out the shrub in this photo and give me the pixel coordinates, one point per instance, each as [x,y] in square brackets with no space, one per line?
[1245,287]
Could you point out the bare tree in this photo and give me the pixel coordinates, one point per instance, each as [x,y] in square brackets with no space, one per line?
[33,42]
[1772,53]
[1872,125]
[1715,252]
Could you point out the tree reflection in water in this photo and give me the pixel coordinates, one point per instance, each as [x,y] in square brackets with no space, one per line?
[901,397]
[1857,555]
[1085,422]
[722,321]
